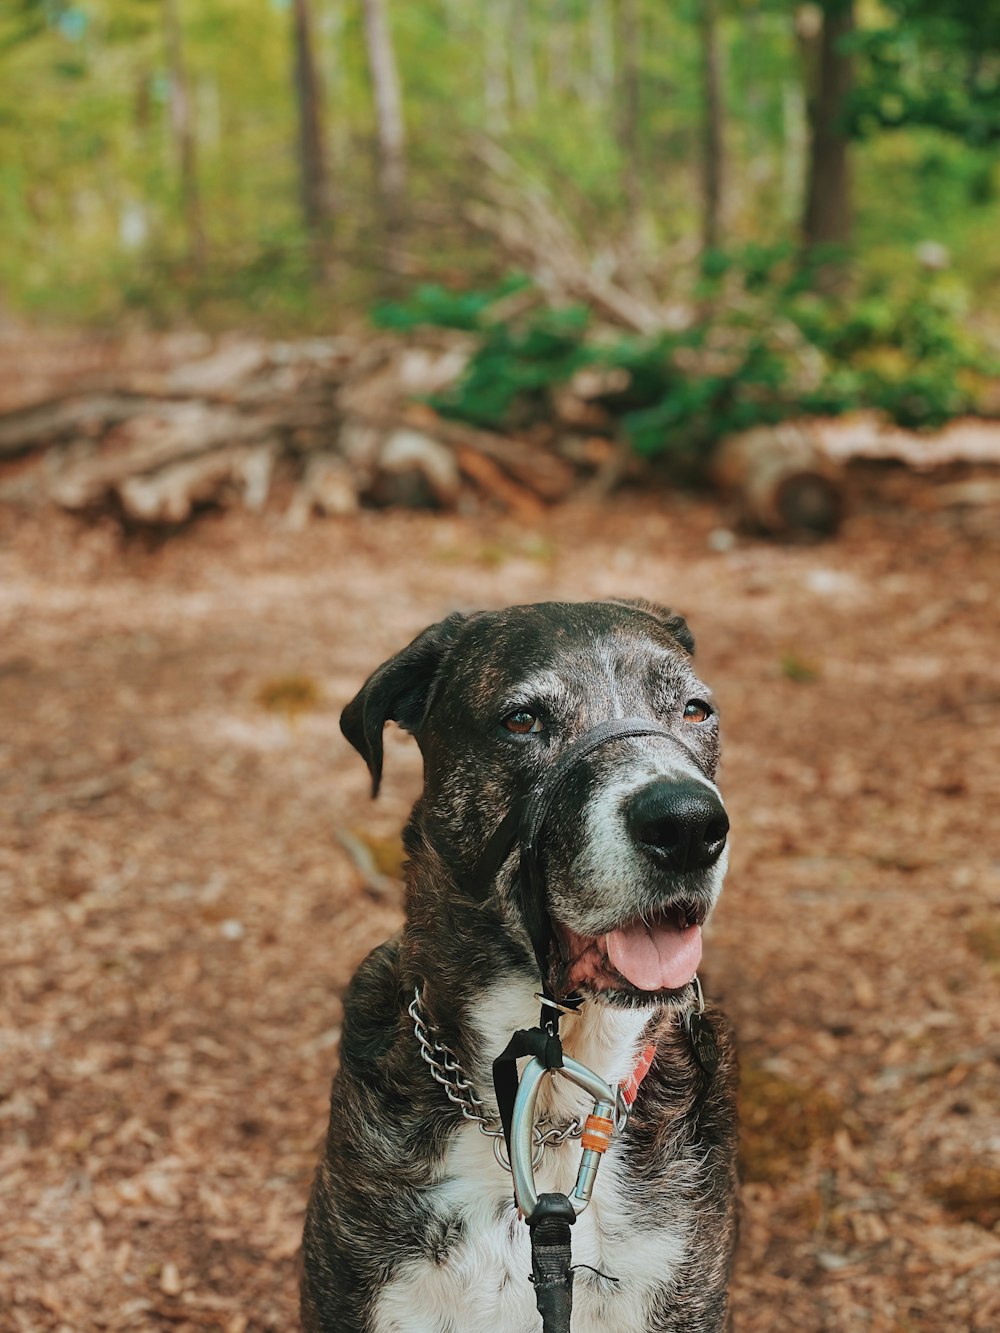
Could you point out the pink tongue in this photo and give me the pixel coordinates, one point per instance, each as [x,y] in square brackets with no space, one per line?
[655,957]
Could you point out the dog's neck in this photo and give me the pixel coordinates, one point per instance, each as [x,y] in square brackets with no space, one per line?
[477,1019]
[605,1038]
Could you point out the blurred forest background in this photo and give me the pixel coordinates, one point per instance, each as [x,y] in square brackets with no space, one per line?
[729,212]
[285,161]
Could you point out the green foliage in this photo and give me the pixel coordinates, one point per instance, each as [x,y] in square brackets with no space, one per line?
[509,378]
[936,65]
[766,347]
[92,214]
[905,355]
[434,304]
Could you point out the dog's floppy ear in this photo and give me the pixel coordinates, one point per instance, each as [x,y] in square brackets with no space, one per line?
[398,691]
[674,624]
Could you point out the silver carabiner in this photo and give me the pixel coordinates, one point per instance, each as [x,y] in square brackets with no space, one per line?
[522,1165]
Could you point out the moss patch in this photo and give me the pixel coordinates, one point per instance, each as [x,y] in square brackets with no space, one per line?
[972,1195]
[290,695]
[983,938]
[387,853]
[780,1122]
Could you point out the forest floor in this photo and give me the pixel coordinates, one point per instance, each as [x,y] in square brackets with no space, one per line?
[180,917]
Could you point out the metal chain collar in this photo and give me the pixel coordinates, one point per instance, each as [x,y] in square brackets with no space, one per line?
[447,1071]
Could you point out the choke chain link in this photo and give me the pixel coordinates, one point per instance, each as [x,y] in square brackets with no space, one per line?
[447,1071]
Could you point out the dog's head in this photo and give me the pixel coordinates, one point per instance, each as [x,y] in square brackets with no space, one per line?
[634,844]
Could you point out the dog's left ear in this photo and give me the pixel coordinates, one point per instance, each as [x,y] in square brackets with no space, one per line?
[398,692]
[674,624]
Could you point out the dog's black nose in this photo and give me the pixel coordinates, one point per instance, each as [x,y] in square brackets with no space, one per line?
[682,824]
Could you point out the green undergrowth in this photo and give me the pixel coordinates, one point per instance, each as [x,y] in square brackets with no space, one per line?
[763,345]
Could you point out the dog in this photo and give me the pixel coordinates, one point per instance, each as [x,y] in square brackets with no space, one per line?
[411,1225]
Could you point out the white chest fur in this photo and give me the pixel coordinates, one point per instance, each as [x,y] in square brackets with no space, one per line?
[478,1279]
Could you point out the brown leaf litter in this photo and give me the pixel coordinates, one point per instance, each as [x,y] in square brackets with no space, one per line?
[181,916]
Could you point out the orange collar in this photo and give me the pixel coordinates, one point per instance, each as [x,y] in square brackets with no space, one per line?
[629,1088]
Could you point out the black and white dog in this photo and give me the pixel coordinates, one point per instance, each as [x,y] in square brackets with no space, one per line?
[411,1226]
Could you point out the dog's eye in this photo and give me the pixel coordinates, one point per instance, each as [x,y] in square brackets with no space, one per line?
[696,710]
[521,722]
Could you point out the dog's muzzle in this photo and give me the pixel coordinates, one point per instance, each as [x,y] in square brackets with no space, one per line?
[683,823]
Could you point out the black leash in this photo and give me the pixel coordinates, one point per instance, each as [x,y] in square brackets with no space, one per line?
[553,1215]
[543,1044]
[552,1260]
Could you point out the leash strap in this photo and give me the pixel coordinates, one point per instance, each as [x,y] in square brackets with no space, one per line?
[553,1214]
[523,822]
[544,1045]
[552,1261]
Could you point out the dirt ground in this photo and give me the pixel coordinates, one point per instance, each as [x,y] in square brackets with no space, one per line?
[180,916]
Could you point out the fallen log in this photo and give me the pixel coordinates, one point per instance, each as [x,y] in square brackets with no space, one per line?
[328,487]
[496,484]
[30,428]
[172,493]
[550,478]
[973,440]
[220,373]
[168,435]
[781,481]
[414,469]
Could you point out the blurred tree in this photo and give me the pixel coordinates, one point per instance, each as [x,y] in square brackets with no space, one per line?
[136,135]
[389,121]
[712,125]
[183,125]
[825,31]
[601,82]
[629,112]
[523,74]
[317,207]
[496,89]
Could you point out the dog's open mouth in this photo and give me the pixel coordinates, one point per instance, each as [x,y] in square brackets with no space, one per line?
[656,952]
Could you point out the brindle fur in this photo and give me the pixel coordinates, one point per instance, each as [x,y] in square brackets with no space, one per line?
[390,1124]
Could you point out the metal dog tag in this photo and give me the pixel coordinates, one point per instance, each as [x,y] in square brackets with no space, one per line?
[703,1043]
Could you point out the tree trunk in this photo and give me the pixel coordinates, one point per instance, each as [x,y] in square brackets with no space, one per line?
[521,48]
[390,128]
[794,143]
[759,159]
[317,208]
[828,214]
[629,111]
[182,125]
[560,54]
[713,155]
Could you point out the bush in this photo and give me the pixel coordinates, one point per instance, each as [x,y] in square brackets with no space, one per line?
[765,346]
